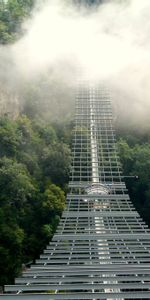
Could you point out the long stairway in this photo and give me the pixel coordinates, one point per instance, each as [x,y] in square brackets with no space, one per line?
[101,249]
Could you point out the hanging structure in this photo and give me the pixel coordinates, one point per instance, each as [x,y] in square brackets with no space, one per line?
[101,249]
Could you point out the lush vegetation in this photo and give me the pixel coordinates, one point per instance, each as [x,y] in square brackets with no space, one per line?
[134,152]
[12,14]
[34,166]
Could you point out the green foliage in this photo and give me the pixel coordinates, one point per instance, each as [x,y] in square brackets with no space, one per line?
[9,139]
[12,14]
[54,199]
[34,168]
[15,183]
[55,162]
[32,165]
[136,161]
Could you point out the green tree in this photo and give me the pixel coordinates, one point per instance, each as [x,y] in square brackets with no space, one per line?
[54,199]
[12,14]
[15,183]
[136,161]
[56,163]
[9,138]
[31,160]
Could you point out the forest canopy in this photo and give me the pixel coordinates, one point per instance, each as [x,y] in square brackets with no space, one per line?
[33,177]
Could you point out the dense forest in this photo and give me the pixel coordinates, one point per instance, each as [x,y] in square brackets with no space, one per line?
[134,151]
[34,166]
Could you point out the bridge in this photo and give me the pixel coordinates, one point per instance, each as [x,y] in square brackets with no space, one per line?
[101,249]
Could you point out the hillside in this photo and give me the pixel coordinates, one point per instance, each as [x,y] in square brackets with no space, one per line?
[36,122]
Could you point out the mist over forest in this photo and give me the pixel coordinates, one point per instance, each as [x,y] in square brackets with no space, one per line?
[45,47]
[46,44]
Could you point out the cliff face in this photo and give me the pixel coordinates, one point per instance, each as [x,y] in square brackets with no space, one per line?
[9,102]
[51,101]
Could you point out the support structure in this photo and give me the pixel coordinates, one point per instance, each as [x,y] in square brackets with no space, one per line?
[101,249]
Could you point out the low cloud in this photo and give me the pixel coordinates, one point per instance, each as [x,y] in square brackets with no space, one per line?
[106,42]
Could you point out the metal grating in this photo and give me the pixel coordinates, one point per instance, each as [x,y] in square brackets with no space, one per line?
[101,249]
